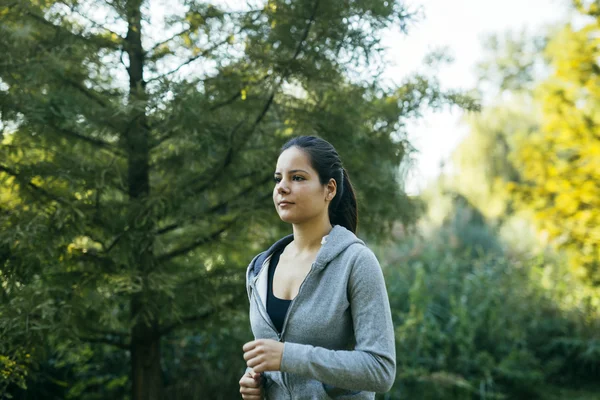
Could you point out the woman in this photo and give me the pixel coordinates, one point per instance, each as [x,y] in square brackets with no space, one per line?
[318,305]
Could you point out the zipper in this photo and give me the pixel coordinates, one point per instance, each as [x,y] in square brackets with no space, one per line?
[267,319]
[287,315]
[263,313]
[285,321]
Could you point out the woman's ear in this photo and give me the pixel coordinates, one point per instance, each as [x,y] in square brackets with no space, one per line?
[331,189]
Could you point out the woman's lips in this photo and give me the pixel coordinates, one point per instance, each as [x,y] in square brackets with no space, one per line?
[285,204]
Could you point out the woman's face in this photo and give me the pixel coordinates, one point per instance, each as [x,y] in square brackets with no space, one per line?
[298,194]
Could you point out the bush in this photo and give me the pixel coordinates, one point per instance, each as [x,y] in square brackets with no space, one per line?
[472,322]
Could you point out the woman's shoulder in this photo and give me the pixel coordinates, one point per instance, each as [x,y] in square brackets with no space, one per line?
[258,260]
[358,248]
[361,258]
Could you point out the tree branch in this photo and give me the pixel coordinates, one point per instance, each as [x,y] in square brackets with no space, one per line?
[232,99]
[157,45]
[194,318]
[189,61]
[100,41]
[212,210]
[67,132]
[217,171]
[98,259]
[97,142]
[123,335]
[162,139]
[85,91]
[214,107]
[186,249]
[60,75]
[215,273]
[114,242]
[105,340]
[306,30]
[33,186]
[237,94]
[94,23]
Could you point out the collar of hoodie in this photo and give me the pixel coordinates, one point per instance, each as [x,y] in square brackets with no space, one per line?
[338,240]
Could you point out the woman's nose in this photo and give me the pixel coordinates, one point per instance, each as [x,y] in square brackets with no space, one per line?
[282,187]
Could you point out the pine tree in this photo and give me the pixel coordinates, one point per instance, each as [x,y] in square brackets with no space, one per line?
[138,149]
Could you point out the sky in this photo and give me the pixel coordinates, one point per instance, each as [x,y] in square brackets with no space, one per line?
[458,25]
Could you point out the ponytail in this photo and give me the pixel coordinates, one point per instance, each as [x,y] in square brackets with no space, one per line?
[343,209]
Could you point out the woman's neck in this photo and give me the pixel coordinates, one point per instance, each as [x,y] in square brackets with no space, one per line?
[308,236]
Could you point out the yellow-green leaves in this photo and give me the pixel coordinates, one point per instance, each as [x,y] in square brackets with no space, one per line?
[561,161]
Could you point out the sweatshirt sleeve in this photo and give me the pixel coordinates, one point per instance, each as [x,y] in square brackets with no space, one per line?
[371,365]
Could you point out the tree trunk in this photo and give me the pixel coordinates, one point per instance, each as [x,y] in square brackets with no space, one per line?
[146,373]
[147,379]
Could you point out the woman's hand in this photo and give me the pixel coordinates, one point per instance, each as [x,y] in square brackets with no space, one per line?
[263,355]
[250,387]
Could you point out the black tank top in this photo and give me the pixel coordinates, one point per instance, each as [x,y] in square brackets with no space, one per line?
[276,308]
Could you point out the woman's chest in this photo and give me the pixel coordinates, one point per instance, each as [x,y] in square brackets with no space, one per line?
[319,315]
[289,276]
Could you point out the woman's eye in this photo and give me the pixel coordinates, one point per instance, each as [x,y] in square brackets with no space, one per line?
[277,179]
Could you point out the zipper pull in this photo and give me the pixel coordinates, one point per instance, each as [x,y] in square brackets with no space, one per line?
[278,337]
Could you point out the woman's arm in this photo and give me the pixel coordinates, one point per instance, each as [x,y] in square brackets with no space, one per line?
[371,366]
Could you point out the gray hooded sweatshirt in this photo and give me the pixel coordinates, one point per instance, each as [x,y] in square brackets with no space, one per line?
[338,334]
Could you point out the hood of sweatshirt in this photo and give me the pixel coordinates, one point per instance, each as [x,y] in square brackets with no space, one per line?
[338,240]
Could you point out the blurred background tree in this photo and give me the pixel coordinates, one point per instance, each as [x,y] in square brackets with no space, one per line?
[561,160]
[498,304]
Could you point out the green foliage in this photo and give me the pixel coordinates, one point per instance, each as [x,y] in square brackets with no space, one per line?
[483,159]
[512,63]
[207,362]
[136,160]
[560,160]
[472,322]
[13,370]
[534,150]
[492,311]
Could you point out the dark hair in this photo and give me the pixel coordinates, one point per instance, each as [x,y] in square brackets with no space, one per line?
[326,161]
